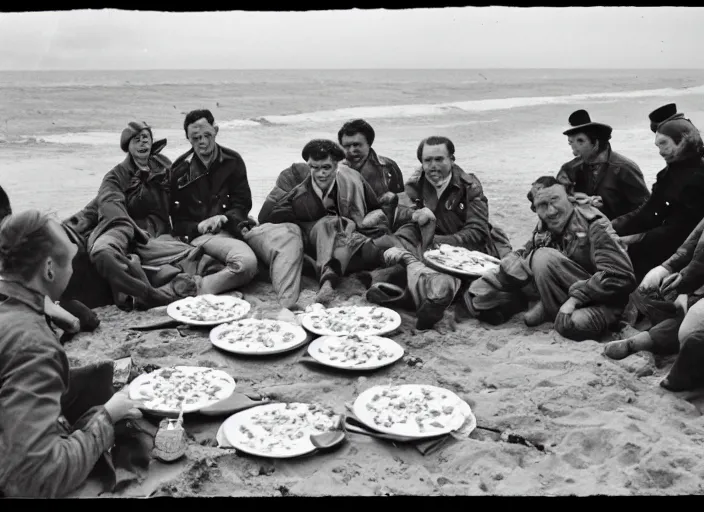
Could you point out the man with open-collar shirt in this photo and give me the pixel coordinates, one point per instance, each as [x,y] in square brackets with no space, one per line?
[456,198]
[211,198]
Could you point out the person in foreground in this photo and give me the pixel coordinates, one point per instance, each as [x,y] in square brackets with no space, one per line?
[70,315]
[669,297]
[341,218]
[456,199]
[607,180]
[580,271]
[658,227]
[52,434]
[211,199]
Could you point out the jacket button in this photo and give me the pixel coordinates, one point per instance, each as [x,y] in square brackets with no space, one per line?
[667,204]
[656,214]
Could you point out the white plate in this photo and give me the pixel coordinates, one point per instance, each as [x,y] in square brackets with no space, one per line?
[138,392]
[308,320]
[409,429]
[281,450]
[321,350]
[253,347]
[236,309]
[429,259]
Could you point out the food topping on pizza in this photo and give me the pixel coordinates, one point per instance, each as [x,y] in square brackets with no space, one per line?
[355,350]
[210,309]
[256,334]
[427,408]
[280,427]
[461,259]
[351,320]
[169,388]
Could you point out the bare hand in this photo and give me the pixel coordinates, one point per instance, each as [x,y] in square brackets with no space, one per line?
[62,318]
[631,239]
[581,198]
[681,302]
[569,306]
[212,224]
[120,406]
[423,216]
[393,255]
[597,201]
[670,283]
[654,278]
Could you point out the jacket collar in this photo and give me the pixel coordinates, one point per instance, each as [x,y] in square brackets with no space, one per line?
[455,179]
[21,293]
[155,170]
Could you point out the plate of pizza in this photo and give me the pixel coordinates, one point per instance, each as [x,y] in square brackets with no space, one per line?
[251,336]
[347,320]
[165,390]
[208,310]
[411,410]
[355,352]
[460,261]
[280,430]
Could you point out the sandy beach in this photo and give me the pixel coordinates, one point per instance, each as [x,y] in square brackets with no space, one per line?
[605,427]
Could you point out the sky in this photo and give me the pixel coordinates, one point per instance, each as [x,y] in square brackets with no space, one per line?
[455,37]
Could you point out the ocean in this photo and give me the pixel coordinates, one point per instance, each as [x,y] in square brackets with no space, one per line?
[59,130]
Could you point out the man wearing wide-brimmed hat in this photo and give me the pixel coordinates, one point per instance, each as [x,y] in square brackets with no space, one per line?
[654,231]
[608,180]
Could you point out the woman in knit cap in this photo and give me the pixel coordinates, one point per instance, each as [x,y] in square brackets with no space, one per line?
[654,231]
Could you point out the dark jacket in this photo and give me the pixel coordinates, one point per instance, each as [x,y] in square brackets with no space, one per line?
[590,241]
[688,260]
[462,212]
[303,205]
[287,180]
[198,193]
[383,174]
[41,456]
[127,194]
[674,209]
[619,182]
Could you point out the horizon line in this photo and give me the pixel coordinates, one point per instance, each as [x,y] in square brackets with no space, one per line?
[367,69]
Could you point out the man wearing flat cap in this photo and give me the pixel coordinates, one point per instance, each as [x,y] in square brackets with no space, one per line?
[598,175]
[654,231]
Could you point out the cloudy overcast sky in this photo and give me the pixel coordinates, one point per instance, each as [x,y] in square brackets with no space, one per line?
[463,37]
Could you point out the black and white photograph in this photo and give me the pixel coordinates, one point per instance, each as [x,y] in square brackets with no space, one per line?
[354,252]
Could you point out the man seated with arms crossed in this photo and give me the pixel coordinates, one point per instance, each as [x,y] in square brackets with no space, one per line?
[280,246]
[575,261]
[339,214]
[43,453]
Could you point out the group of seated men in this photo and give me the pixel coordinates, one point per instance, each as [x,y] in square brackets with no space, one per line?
[158,231]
